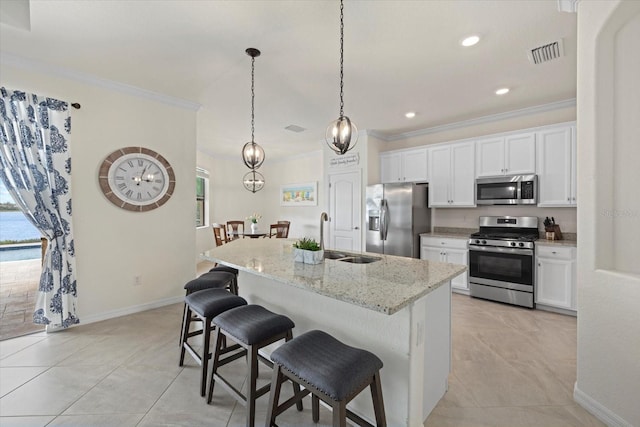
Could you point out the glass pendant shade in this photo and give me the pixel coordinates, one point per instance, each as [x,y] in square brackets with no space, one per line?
[253,181]
[252,155]
[342,135]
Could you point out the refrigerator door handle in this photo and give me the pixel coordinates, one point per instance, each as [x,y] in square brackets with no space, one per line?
[384,227]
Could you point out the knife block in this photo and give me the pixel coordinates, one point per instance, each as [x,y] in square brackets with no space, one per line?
[555,229]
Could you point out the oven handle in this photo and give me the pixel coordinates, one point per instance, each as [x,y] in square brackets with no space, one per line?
[496,249]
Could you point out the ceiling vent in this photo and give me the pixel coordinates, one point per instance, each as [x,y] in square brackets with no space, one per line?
[295,128]
[547,52]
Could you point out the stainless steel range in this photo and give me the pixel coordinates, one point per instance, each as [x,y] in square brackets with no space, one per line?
[501,259]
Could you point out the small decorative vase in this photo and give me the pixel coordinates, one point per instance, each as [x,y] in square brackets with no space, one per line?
[254,227]
[298,255]
[313,257]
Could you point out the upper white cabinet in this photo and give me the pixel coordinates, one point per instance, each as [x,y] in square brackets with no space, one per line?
[404,166]
[557,167]
[451,175]
[506,155]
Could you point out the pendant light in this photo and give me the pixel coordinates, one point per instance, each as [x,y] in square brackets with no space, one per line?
[342,133]
[253,181]
[252,153]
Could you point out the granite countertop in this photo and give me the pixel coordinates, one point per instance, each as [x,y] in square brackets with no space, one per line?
[446,235]
[385,286]
[545,242]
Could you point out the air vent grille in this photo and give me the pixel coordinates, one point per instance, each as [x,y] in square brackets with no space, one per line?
[547,52]
[295,128]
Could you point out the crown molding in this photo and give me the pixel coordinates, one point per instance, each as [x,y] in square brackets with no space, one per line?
[39,66]
[481,120]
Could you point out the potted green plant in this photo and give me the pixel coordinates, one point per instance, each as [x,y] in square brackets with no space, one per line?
[307,251]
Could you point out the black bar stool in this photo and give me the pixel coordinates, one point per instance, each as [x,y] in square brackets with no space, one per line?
[252,327]
[226,269]
[331,371]
[205,305]
[219,279]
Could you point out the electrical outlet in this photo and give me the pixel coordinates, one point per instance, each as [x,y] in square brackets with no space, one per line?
[137,280]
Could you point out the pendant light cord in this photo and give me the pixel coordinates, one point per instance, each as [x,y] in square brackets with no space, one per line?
[341,58]
[253,95]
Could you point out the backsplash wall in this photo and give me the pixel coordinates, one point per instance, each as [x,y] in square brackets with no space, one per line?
[468,218]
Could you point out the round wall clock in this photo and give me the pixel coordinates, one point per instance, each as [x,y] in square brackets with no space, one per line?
[136,179]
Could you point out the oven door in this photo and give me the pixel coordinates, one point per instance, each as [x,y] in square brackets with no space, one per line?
[504,267]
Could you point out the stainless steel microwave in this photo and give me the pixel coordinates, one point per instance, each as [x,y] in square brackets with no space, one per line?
[507,190]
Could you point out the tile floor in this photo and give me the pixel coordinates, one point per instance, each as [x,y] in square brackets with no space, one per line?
[511,367]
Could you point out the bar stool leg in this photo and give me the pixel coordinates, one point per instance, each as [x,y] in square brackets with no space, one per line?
[186,323]
[315,408]
[252,352]
[217,342]
[378,404]
[205,356]
[274,395]
[339,414]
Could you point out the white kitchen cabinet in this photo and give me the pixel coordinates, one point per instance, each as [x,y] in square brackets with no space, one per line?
[451,175]
[447,250]
[555,277]
[557,167]
[506,155]
[404,166]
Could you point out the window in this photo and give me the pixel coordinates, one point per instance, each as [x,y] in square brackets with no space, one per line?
[202,196]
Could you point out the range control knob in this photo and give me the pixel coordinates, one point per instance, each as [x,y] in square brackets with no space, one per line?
[484,242]
[521,244]
[477,242]
[512,244]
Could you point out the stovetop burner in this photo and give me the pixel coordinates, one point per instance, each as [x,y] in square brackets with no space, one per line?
[507,231]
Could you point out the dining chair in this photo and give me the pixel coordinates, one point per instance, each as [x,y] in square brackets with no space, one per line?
[235,229]
[279,231]
[288,223]
[219,234]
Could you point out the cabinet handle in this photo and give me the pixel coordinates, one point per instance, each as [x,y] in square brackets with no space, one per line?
[554,252]
[568,199]
[539,265]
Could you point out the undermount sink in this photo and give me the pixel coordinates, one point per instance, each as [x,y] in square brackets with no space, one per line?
[354,259]
[334,255]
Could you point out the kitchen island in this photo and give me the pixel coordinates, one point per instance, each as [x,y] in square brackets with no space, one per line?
[398,308]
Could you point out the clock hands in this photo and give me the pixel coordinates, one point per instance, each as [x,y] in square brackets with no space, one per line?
[138,180]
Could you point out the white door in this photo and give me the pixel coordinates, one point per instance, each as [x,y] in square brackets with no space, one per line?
[520,154]
[345,218]
[440,176]
[490,157]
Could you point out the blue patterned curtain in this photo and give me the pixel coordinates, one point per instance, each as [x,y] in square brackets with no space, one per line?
[35,166]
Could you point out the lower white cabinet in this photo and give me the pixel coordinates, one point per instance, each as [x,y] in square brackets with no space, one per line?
[447,250]
[556,277]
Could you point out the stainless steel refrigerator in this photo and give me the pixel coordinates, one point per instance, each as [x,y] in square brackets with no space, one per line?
[396,214]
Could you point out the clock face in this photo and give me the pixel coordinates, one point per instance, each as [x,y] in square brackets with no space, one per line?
[136,179]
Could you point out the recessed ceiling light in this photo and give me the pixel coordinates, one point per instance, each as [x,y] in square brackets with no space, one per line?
[410,115]
[502,91]
[470,41]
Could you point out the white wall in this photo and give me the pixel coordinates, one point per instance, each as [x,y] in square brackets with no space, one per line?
[114,245]
[608,357]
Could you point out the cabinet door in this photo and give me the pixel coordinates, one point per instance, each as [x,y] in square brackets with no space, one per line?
[554,283]
[520,154]
[439,176]
[458,256]
[390,167]
[430,253]
[463,183]
[414,165]
[490,157]
[554,167]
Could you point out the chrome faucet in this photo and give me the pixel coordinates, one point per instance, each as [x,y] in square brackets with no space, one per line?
[323,217]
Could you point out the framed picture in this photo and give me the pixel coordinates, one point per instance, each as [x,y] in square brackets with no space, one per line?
[299,194]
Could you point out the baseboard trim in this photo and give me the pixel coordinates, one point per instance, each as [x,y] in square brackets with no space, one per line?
[597,409]
[85,320]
